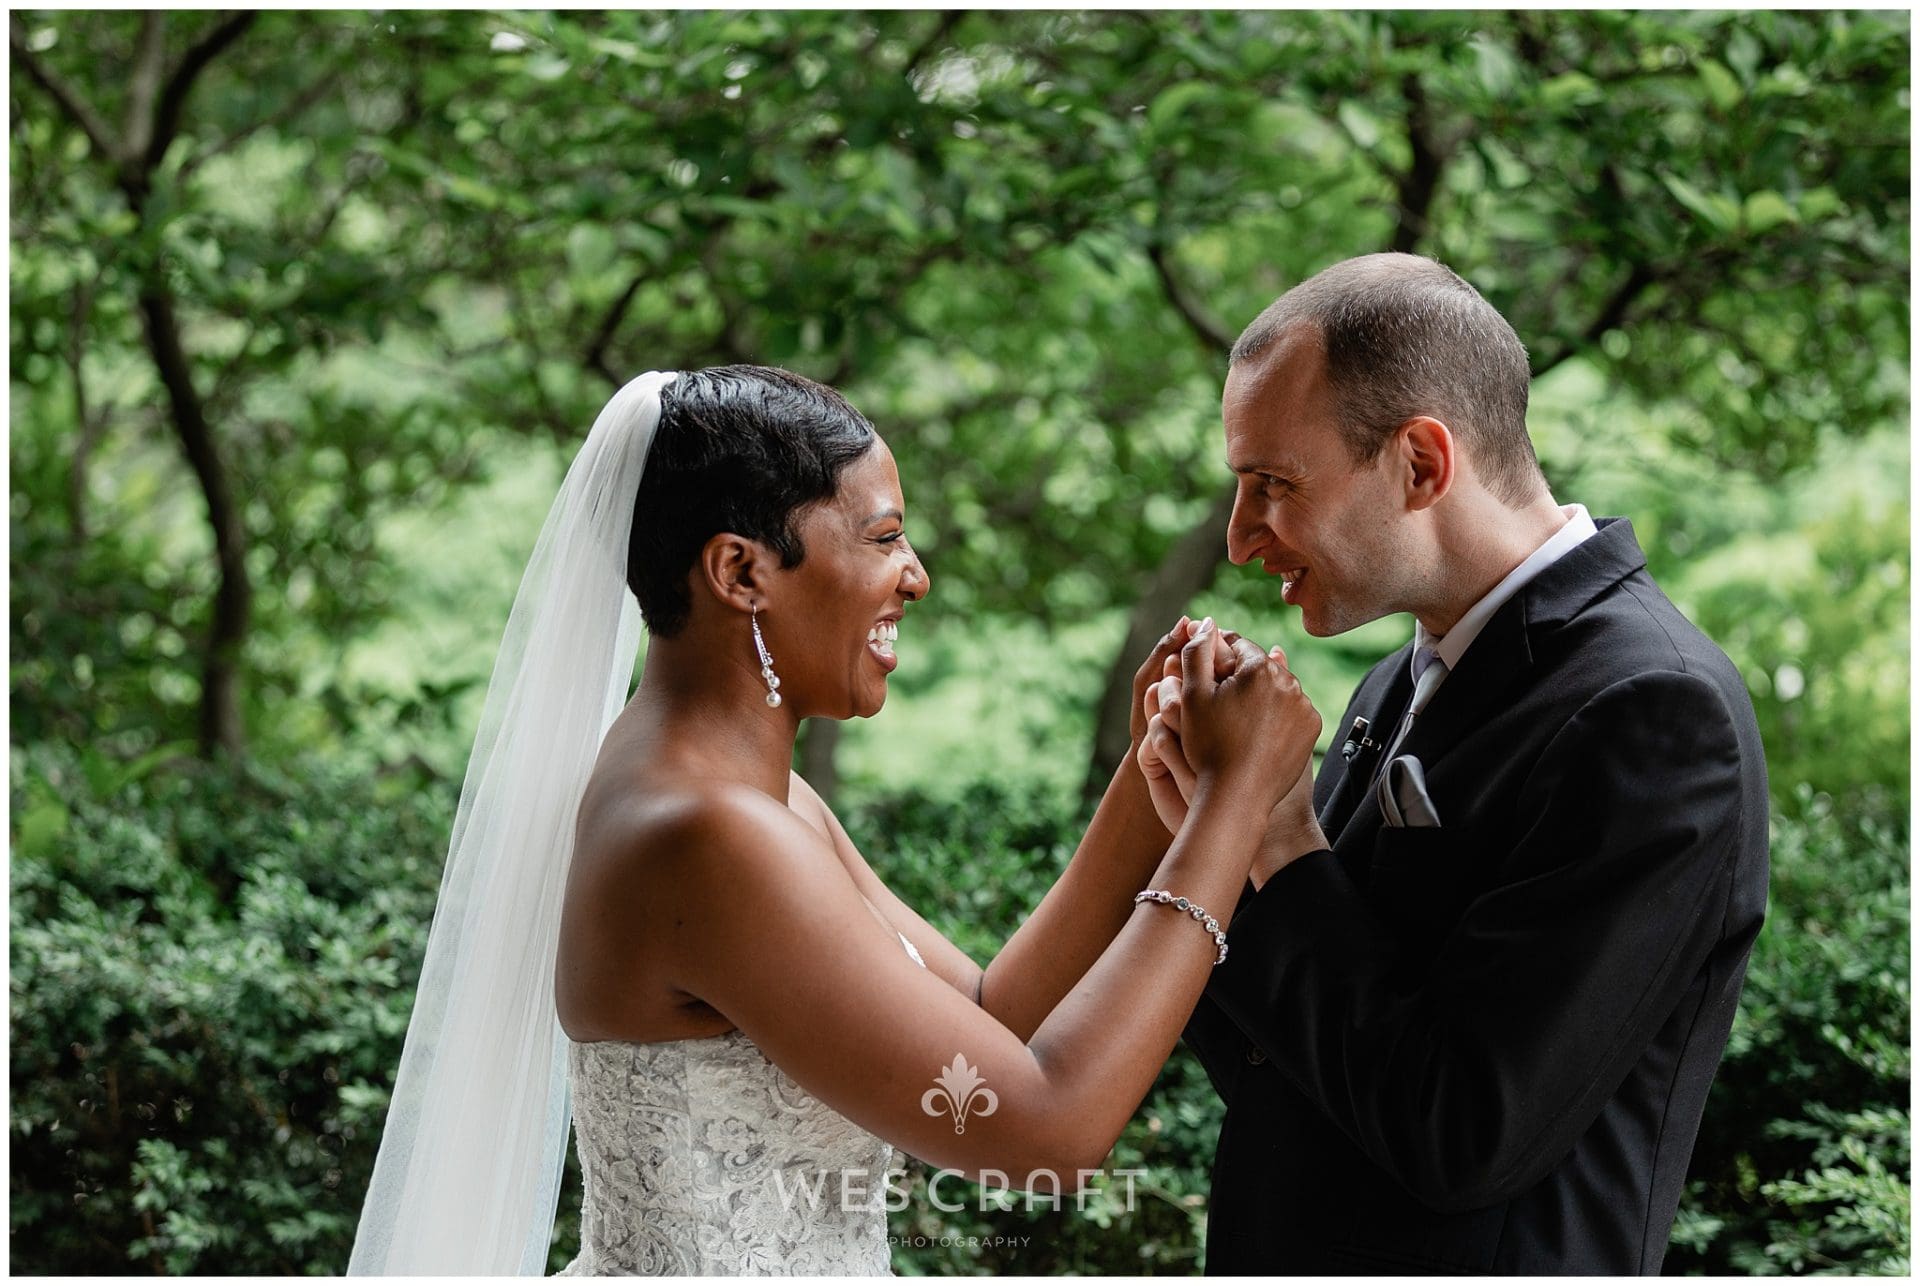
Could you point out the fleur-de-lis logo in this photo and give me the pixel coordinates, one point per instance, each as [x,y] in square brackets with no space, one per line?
[965,1091]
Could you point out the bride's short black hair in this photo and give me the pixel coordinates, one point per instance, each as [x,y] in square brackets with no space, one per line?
[739,449]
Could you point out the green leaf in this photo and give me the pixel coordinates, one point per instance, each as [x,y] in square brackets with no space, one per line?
[1721,213]
[1720,84]
[1359,123]
[902,220]
[1494,64]
[735,207]
[125,774]
[1570,89]
[1743,55]
[1764,211]
[1172,102]
[1819,203]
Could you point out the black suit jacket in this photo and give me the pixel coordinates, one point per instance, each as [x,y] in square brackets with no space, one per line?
[1486,1047]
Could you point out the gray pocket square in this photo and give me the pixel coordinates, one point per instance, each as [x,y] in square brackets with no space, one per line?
[1403,797]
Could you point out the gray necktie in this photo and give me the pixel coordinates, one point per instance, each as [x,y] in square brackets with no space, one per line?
[1428,671]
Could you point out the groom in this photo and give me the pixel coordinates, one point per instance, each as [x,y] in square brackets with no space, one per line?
[1484,971]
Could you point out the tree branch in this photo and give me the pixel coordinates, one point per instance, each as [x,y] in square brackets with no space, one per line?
[596,358]
[1420,183]
[220,717]
[143,86]
[1212,335]
[166,112]
[1611,314]
[98,132]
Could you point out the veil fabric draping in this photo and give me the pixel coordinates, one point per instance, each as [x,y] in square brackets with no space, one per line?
[467,1180]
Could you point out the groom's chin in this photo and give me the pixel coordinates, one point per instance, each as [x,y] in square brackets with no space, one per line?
[1322,625]
[1316,625]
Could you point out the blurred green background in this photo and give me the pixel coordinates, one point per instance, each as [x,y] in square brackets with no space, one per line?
[309,312]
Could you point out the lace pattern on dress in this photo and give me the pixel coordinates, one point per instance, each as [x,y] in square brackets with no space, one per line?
[701,1158]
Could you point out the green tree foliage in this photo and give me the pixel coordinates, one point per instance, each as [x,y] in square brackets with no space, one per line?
[192,242]
[282,280]
[1011,236]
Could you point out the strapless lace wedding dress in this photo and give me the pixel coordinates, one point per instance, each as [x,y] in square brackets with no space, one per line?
[701,1158]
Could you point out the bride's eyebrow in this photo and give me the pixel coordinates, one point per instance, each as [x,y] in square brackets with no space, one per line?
[883,515]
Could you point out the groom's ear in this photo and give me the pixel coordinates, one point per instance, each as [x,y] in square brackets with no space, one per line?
[1426,461]
[735,569]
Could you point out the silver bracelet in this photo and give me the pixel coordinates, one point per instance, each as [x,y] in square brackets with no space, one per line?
[1198,912]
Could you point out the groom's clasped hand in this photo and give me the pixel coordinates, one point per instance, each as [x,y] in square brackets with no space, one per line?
[1213,711]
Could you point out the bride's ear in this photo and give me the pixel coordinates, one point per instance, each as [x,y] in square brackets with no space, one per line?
[736,569]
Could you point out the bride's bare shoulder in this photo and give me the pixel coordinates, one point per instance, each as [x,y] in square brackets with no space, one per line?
[703,830]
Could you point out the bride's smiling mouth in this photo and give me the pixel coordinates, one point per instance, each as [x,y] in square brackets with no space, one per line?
[880,640]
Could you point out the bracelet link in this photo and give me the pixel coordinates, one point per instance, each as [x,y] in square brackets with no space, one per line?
[1193,910]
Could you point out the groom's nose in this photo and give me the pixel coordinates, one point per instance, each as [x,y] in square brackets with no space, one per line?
[1243,535]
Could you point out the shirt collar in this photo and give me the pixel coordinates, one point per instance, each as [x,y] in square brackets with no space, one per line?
[1452,645]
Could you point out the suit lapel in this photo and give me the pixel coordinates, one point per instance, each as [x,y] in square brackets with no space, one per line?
[1497,662]
[1381,701]
[1498,665]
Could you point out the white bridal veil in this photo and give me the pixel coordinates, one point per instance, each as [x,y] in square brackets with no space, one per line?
[468,1175]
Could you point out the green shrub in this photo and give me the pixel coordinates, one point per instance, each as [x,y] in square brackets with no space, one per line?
[1804,1157]
[213,970]
[211,974]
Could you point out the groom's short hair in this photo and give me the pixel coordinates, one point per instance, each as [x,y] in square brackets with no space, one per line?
[1403,336]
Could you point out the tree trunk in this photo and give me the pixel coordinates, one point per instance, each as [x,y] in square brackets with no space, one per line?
[154,103]
[1186,571]
[221,726]
[818,742]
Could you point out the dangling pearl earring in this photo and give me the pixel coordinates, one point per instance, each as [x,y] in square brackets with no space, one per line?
[766,661]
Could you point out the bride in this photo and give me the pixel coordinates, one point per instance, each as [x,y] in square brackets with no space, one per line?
[650,924]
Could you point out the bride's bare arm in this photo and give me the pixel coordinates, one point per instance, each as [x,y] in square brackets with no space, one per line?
[1066,933]
[768,927]
[1085,909]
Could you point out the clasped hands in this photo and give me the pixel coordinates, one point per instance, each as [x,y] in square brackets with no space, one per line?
[1217,719]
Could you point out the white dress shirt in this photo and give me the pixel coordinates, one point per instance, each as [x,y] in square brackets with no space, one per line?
[1452,645]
